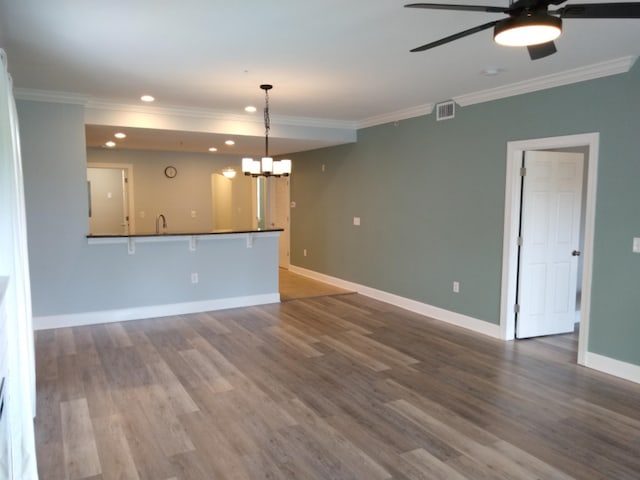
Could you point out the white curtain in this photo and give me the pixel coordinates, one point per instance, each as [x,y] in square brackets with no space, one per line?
[20,384]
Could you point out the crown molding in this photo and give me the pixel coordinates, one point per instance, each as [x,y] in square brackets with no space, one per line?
[49,96]
[396,116]
[590,72]
[105,104]
[598,70]
[194,112]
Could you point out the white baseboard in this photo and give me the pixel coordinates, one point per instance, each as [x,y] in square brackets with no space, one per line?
[154,311]
[425,309]
[609,365]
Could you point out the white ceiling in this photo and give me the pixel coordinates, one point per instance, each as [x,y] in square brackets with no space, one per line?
[335,60]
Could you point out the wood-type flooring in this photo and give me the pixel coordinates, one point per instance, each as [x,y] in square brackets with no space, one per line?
[332,387]
[294,286]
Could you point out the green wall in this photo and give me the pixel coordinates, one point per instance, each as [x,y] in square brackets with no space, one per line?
[431,200]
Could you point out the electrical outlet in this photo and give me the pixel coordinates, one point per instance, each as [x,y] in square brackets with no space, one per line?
[636,245]
[193,214]
[456,287]
[356,221]
[194,278]
[142,213]
[304,252]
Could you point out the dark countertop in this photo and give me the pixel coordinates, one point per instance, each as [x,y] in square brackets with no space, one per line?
[186,234]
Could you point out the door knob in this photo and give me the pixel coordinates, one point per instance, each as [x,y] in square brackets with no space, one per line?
[576,253]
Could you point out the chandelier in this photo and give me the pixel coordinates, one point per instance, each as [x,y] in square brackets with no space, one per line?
[267,166]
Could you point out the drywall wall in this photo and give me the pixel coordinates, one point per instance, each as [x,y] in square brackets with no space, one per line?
[70,276]
[430,196]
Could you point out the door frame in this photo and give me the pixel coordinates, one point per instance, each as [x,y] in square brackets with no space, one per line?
[129,188]
[275,205]
[512,220]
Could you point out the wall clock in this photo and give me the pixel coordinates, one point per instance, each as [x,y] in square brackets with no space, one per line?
[170,172]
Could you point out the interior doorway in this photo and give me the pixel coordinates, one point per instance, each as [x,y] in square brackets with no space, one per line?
[110,199]
[513,209]
[549,242]
[279,216]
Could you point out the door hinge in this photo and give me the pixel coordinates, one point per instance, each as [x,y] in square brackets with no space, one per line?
[520,241]
[516,308]
[523,172]
[126,180]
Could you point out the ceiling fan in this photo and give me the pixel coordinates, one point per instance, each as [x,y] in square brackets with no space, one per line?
[530,23]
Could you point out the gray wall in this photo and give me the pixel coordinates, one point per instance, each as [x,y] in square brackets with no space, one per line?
[431,200]
[70,276]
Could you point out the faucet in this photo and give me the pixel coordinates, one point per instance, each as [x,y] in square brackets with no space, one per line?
[164,222]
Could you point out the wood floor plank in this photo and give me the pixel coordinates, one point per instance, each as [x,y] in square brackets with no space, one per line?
[145,447]
[96,388]
[341,387]
[388,354]
[164,422]
[174,390]
[218,455]
[48,426]
[78,440]
[293,341]
[430,467]
[353,353]
[113,449]
[354,458]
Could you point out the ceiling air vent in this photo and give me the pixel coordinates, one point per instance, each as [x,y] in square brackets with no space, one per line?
[445,110]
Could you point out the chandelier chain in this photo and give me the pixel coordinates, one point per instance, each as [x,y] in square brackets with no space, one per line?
[267,123]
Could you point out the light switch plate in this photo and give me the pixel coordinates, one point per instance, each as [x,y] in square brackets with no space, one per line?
[636,245]
[356,220]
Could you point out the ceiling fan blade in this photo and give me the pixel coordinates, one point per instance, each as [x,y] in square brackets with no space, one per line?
[542,50]
[600,10]
[456,36]
[470,8]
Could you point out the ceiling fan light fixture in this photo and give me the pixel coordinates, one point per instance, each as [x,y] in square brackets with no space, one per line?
[527,30]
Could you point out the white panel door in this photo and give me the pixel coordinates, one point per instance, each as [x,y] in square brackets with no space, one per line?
[548,276]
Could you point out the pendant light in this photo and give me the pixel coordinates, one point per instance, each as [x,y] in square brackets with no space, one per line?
[267,166]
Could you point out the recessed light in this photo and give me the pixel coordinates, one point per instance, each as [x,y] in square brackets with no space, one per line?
[147,98]
[491,71]
[229,142]
[213,149]
[110,144]
[250,109]
[120,135]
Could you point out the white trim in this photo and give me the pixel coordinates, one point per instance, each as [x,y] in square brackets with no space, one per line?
[611,366]
[460,320]
[396,116]
[94,105]
[581,74]
[105,104]
[50,97]
[511,220]
[153,311]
